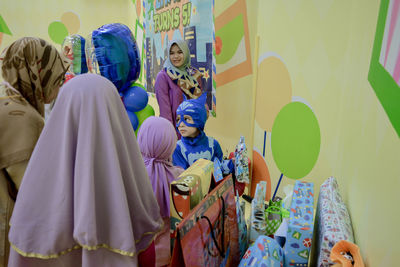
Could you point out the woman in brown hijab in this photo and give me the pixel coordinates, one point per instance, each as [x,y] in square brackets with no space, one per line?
[33,71]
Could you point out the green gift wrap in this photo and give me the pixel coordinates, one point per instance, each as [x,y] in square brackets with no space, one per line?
[273,216]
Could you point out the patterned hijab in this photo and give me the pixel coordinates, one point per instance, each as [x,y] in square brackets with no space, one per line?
[186,77]
[35,68]
[20,127]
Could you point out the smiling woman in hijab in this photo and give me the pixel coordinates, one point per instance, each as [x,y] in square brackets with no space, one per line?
[33,71]
[157,142]
[176,79]
[85,199]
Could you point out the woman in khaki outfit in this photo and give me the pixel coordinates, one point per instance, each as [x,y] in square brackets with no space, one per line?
[33,71]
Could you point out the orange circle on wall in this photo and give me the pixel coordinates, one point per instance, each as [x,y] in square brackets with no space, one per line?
[218,45]
[274,90]
[260,173]
[71,22]
[138,8]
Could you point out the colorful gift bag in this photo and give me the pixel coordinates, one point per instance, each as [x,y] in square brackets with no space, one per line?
[188,190]
[265,252]
[300,227]
[217,171]
[258,222]
[346,254]
[241,162]
[243,243]
[208,236]
[273,216]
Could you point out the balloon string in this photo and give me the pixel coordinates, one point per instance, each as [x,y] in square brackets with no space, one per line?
[277,186]
[265,140]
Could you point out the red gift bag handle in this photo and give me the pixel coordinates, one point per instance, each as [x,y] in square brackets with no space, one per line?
[173,202]
[222,249]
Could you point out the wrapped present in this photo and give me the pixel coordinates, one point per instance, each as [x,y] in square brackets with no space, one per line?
[264,252]
[218,176]
[258,223]
[208,236]
[242,226]
[300,226]
[241,162]
[188,190]
[332,224]
[273,216]
[346,254]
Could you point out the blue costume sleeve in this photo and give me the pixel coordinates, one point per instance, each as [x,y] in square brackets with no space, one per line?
[230,165]
[227,165]
[217,151]
[178,159]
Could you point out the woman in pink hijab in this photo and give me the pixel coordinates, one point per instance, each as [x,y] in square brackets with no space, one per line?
[85,199]
[157,141]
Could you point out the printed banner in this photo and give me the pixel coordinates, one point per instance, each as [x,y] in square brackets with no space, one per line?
[191,20]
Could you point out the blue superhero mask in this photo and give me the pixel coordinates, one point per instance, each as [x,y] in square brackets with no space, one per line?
[194,108]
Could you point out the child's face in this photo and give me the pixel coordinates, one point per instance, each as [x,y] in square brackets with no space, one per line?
[185,130]
[176,56]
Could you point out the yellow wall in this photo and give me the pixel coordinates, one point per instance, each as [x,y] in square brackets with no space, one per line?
[32,18]
[234,100]
[326,47]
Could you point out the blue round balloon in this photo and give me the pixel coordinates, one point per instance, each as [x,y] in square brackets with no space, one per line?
[134,119]
[135,98]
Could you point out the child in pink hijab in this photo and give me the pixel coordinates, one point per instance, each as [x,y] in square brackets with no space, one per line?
[157,141]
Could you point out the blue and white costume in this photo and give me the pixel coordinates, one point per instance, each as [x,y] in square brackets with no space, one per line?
[189,149]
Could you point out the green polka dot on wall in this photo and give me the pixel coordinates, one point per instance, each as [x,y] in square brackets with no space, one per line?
[3,29]
[295,140]
[57,32]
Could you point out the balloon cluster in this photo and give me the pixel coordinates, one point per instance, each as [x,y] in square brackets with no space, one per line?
[73,47]
[112,52]
[136,103]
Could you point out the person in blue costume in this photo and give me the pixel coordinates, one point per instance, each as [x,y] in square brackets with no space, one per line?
[191,117]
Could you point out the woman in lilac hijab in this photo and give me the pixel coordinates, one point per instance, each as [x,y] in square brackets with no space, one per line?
[85,199]
[157,141]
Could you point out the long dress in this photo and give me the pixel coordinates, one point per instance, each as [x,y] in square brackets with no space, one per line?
[85,199]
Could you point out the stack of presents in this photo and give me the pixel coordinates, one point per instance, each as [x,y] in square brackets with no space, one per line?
[208,225]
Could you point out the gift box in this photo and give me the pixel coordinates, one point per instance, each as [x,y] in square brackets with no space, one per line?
[300,225]
[242,226]
[188,190]
[264,252]
[241,162]
[257,217]
[332,224]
